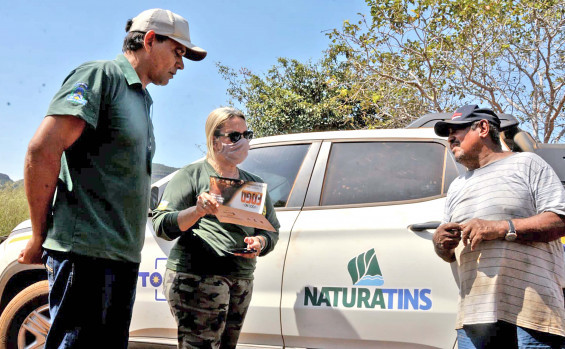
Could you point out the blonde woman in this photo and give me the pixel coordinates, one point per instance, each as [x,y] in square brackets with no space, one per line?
[207,286]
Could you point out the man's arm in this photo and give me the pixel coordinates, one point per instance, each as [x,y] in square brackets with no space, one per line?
[543,227]
[41,170]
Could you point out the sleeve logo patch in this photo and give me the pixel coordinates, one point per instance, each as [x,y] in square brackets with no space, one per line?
[163,205]
[77,96]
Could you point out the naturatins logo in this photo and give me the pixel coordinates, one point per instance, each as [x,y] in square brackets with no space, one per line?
[365,271]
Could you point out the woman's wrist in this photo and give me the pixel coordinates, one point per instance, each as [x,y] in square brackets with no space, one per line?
[262,242]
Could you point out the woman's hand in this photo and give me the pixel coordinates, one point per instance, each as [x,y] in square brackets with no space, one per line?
[253,242]
[206,204]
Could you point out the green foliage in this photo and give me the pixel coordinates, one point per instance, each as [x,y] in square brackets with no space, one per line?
[297,97]
[13,207]
[435,55]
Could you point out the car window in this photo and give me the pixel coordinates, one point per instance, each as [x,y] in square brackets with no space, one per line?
[278,167]
[377,172]
[450,170]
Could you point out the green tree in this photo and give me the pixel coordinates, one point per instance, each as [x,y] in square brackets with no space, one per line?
[297,97]
[445,53]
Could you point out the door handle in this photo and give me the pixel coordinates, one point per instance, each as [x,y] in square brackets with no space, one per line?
[424,226]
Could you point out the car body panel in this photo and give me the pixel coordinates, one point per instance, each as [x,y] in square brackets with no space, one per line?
[263,323]
[408,264]
[151,315]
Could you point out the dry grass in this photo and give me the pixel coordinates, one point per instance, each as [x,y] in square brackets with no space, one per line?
[13,207]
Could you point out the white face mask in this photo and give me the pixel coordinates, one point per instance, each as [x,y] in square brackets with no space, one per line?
[235,153]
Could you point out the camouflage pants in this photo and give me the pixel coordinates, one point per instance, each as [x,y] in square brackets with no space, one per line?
[209,310]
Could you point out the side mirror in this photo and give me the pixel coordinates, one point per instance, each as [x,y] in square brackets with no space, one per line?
[155,198]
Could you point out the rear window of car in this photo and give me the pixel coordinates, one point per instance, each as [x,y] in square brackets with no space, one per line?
[277,166]
[380,172]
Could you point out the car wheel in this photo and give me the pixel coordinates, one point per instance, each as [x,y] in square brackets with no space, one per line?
[25,321]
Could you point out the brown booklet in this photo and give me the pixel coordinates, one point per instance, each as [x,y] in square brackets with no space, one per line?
[241,202]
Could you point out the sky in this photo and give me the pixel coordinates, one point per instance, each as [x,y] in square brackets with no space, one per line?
[44,40]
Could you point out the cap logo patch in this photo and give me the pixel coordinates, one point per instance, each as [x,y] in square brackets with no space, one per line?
[456,116]
[77,95]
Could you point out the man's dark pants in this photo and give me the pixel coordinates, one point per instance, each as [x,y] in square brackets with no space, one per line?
[504,335]
[90,301]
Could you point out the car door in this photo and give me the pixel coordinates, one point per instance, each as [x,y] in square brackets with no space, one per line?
[151,316]
[355,275]
[286,168]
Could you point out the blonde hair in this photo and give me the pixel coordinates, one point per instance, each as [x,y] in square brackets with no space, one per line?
[215,121]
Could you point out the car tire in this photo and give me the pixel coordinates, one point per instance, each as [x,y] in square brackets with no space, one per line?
[25,321]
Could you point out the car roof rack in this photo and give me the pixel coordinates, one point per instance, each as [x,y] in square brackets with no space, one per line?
[507,121]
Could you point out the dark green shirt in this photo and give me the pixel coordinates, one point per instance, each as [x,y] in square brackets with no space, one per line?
[102,198]
[204,248]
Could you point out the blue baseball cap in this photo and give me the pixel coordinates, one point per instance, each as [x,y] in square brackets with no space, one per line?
[466,115]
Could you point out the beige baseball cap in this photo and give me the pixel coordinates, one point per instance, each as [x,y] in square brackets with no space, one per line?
[167,23]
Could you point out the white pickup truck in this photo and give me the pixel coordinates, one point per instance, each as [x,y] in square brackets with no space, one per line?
[354,266]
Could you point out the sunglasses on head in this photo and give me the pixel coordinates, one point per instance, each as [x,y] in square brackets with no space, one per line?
[236,136]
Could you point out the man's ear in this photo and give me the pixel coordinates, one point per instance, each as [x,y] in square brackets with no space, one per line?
[484,128]
[149,40]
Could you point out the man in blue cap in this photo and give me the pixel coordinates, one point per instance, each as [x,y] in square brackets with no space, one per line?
[502,222]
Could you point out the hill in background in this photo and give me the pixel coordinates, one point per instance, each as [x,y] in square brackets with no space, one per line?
[159,171]
[4,179]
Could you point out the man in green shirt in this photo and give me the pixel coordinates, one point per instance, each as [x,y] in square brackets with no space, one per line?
[87,177]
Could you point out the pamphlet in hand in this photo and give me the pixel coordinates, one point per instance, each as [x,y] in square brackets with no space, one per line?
[241,202]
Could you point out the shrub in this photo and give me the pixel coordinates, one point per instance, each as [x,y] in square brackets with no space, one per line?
[13,207]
